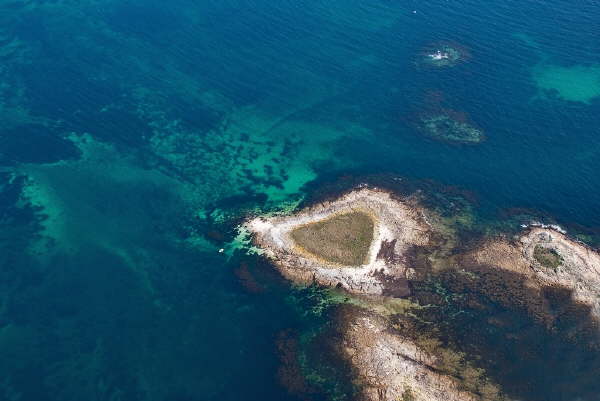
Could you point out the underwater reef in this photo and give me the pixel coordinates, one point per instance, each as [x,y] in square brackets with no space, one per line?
[448,126]
[435,117]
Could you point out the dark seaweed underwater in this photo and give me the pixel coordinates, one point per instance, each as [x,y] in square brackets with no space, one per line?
[136,134]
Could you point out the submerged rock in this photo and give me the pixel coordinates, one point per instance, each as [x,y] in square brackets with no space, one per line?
[443,54]
[445,126]
[436,117]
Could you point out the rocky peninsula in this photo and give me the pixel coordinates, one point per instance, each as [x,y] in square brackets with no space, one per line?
[366,241]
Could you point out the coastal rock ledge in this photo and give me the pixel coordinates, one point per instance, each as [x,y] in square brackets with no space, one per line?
[549,274]
[391,367]
[396,227]
[372,242]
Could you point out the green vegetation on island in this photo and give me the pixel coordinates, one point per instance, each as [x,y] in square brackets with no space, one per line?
[547,257]
[342,239]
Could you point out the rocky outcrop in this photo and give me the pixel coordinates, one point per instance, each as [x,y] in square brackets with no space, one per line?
[513,273]
[391,367]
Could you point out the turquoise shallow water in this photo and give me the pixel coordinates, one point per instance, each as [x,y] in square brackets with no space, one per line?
[135,134]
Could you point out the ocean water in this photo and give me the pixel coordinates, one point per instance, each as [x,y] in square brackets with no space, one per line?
[135,134]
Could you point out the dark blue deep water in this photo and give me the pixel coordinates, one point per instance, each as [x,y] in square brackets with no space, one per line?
[135,134]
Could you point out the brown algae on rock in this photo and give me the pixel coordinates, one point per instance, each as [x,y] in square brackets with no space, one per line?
[569,270]
[393,361]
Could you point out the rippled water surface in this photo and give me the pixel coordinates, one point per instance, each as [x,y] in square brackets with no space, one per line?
[134,135]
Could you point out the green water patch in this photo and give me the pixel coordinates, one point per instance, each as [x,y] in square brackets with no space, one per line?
[107,200]
[253,152]
[226,141]
[526,40]
[60,313]
[577,83]
[14,108]
[106,294]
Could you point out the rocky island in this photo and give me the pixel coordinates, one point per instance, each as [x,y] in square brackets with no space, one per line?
[356,242]
[377,246]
